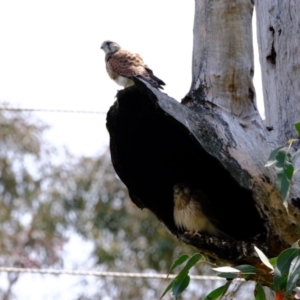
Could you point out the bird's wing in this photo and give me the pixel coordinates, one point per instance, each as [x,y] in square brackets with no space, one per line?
[126,64]
[153,80]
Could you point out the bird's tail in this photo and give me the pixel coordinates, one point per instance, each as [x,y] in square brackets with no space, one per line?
[153,80]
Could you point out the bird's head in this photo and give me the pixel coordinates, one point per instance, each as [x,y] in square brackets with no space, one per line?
[110,47]
[181,189]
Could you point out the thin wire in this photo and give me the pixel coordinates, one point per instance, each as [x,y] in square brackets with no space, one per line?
[102,274]
[52,110]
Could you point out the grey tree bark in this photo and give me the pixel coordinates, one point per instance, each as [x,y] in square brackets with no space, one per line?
[279,50]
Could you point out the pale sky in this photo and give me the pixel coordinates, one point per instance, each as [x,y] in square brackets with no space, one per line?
[50,58]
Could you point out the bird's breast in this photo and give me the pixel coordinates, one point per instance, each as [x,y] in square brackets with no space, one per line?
[123,81]
[191,218]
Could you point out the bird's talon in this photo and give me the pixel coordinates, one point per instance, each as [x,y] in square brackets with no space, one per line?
[192,233]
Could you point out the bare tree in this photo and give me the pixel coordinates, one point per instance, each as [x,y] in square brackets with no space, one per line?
[215,138]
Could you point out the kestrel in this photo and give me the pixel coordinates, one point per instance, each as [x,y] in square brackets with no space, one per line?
[189,213]
[122,66]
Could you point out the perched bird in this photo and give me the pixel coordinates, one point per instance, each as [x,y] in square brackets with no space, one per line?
[189,213]
[122,66]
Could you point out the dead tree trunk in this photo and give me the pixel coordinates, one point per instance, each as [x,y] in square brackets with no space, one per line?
[215,140]
[279,42]
[279,48]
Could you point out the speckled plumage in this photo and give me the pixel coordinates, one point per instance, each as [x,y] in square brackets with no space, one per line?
[122,66]
[189,214]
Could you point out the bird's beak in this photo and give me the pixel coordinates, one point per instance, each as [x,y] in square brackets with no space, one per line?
[101,47]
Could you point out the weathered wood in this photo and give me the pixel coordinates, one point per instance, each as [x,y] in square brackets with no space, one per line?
[223,56]
[278,40]
[279,53]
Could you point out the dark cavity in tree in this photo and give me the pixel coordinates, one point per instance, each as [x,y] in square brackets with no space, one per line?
[152,150]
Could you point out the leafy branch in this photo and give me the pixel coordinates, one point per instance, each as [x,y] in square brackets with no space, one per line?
[285,165]
[182,280]
[285,270]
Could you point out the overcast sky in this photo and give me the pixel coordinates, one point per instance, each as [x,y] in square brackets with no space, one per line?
[50,58]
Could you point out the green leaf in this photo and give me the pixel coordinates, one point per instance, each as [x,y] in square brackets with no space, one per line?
[180,284]
[272,158]
[282,268]
[284,171]
[273,261]
[263,258]
[297,126]
[246,269]
[180,260]
[219,292]
[180,279]
[259,292]
[294,275]
[231,273]
[167,289]
[191,262]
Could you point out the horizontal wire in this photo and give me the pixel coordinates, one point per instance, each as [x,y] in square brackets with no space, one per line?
[52,110]
[102,274]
